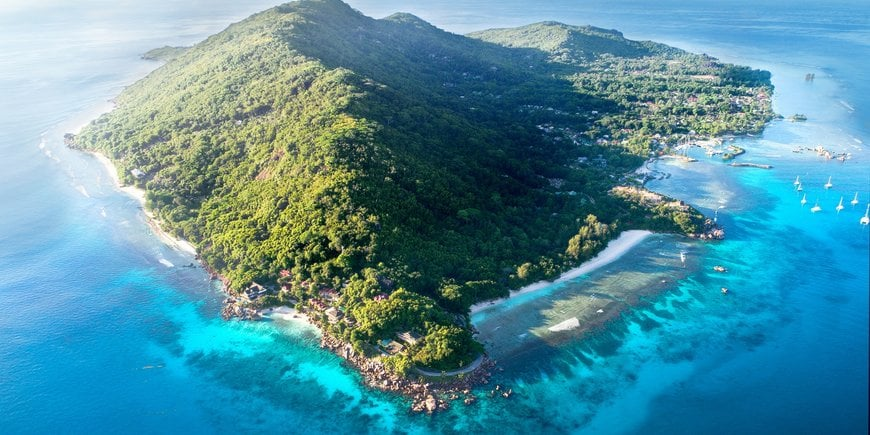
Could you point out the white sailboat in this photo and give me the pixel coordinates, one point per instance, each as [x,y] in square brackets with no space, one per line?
[816,207]
[797,180]
[854,201]
[840,205]
[829,185]
[804,200]
[800,187]
[866,219]
[683,257]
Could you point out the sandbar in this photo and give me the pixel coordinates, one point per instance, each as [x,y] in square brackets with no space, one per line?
[615,249]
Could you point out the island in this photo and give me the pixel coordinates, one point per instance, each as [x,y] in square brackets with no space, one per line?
[381,176]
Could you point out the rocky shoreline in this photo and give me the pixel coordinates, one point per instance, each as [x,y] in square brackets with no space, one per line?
[711,231]
[233,309]
[427,395]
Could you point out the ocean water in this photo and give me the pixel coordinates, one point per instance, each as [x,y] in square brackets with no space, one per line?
[104,329]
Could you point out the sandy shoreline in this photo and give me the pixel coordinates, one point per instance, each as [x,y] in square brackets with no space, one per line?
[615,249]
[139,195]
[288,314]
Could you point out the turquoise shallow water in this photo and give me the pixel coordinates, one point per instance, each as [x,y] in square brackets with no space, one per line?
[99,335]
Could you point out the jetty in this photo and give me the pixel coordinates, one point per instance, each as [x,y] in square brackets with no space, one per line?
[733,151]
[751,165]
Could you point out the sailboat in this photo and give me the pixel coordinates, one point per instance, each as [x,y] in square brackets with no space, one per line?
[829,185]
[840,205]
[866,219]
[797,180]
[816,207]
[800,187]
[804,200]
[683,257]
[855,200]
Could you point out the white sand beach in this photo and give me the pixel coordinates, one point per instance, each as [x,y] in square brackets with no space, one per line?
[139,195]
[567,325]
[615,249]
[287,314]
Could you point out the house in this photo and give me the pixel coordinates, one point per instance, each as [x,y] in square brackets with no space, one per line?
[318,304]
[137,173]
[391,347]
[329,294]
[254,292]
[381,297]
[333,314]
[409,337]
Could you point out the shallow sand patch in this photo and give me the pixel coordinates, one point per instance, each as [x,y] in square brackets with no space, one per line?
[614,250]
[567,325]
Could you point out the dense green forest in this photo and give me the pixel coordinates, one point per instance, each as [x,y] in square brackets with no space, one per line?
[165,53]
[411,171]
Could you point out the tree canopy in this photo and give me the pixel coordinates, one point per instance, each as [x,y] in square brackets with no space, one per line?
[377,155]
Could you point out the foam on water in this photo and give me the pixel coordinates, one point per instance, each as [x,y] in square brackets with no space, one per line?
[165,262]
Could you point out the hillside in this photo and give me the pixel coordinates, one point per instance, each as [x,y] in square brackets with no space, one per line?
[577,45]
[411,170]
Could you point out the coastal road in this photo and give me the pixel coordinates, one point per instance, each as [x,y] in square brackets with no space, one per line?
[467,369]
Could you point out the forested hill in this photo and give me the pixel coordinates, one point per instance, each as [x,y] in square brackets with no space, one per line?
[575,44]
[314,147]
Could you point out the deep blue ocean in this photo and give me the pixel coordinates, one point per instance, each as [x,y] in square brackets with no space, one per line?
[102,329]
